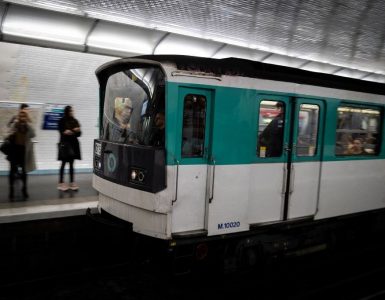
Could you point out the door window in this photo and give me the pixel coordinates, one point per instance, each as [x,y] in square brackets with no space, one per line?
[194,125]
[308,119]
[271,128]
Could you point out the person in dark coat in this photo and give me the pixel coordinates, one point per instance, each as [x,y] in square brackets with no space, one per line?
[69,148]
[23,107]
[22,154]
[272,136]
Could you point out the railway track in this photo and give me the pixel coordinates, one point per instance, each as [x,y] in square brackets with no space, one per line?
[341,275]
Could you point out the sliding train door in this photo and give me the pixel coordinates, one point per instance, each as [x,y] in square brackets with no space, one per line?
[304,165]
[193,158]
[289,158]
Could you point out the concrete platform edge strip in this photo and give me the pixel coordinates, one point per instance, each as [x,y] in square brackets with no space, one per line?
[51,172]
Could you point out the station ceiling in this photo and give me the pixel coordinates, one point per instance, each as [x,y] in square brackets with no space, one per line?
[342,37]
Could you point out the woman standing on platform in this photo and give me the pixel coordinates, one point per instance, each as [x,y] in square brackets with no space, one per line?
[69,148]
[22,154]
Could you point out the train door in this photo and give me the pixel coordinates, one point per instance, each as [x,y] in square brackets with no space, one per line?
[289,152]
[189,211]
[304,164]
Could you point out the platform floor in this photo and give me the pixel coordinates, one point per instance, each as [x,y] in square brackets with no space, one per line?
[45,201]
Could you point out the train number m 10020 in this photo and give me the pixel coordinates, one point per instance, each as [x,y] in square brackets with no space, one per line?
[229,225]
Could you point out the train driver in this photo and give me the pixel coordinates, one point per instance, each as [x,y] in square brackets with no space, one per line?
[158,134]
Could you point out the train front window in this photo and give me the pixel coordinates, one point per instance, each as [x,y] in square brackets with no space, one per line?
[358,131]
[133,99]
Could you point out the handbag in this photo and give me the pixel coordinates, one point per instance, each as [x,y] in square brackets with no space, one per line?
[7,145]
[66,152]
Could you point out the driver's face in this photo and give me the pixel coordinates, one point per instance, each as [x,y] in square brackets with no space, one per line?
[159,120]
[126,114]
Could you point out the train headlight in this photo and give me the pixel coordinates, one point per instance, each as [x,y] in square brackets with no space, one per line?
[141,176]
[138,175]
[98,164]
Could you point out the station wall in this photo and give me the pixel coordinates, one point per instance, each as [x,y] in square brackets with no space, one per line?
[35,74]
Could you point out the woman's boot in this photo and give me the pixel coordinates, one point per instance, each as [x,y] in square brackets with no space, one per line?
[24,191]
[11,192]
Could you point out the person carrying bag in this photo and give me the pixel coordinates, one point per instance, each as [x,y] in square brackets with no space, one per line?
[7,145]
[66,151]
[21,153]
[68,147]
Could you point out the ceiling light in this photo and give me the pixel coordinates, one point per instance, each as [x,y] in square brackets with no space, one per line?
[45,25]
[184,45]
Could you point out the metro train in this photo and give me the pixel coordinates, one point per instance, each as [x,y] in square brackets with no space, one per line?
[238,156]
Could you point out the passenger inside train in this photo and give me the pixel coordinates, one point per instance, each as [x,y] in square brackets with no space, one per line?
[158,138]
[357,129]
[356,148]
[271,138]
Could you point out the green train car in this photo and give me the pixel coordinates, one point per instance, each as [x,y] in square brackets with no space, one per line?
[198,149]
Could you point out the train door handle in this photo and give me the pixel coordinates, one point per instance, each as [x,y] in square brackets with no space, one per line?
[176,182]
[211,196]
[292,176]
[284,180]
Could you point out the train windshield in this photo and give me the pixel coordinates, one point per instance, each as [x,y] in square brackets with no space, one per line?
[134,105]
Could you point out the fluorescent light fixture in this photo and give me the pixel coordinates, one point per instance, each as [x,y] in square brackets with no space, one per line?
[57,7]
[240,52]
[351,73]
[184,45]
[117,19]
[43,38]
[124,38]
[45,25]
[379,72]
[172,28]
[320,67]
[283,60]
[375,78]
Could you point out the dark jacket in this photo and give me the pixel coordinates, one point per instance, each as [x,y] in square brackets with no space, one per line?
[29,155]
[157,139]
[69,140]
[272,137]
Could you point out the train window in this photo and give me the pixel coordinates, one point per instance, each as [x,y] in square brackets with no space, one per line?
[270,128]
[308,119]
[132,99]
[194,125]
[358,131]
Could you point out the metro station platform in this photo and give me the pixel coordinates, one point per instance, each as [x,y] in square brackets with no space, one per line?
[45,201]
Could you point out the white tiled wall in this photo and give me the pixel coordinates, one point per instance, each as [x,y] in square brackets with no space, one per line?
[34,74]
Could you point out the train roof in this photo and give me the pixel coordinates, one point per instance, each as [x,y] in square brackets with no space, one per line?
[253,69]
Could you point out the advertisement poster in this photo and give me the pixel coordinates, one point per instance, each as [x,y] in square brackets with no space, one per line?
[52,114]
